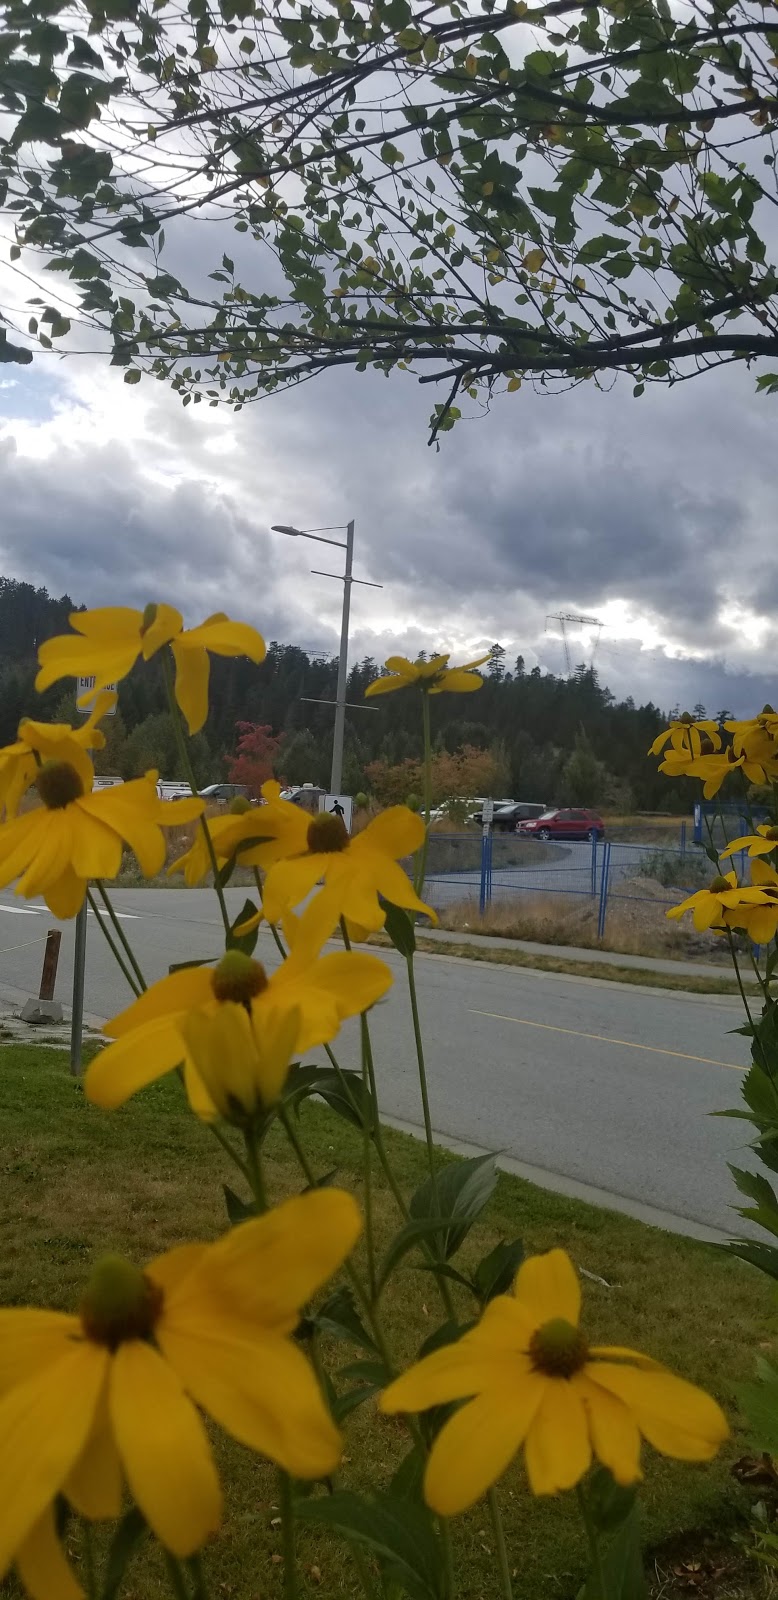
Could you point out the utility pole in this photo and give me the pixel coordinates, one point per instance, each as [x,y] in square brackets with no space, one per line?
[336,777]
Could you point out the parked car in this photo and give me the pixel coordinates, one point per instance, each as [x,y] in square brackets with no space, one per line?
[172,790]
[223,793]
[104,782]
[568,824]
[507,813]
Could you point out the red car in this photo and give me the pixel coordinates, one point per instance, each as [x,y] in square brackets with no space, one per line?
[572,824]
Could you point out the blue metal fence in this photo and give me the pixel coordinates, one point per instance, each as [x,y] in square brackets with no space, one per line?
[498,867]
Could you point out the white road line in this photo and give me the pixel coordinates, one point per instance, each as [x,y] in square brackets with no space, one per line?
[124,916]
[22,911]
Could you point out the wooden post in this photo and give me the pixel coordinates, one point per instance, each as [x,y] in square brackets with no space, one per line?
[50,959]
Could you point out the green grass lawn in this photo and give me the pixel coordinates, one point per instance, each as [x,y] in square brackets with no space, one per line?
[77,1181]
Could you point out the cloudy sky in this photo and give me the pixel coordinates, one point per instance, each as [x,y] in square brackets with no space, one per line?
[655,515]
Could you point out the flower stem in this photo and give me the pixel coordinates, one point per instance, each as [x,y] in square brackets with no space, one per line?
[254,1171]
[367,1163]
[114,949]
[90,1575]
[120,933]
[595,1553]
[195,1565]
[421,861]
[176,1576]
[449,1581]
[500,1547]
[231,1152]
[190,778]
[287,1534]
[425,1101]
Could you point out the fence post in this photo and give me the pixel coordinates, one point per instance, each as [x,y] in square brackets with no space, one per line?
[593,889]
[604,875]
[683,838]
[486,875]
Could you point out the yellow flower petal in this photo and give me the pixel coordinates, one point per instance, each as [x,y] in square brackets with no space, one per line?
[327,991]
[558,1451]
[457,681]
[166,625]
[396,887]
[674,1416]
[225,638]
[476,1445]
[30,1340]
[387,685]
[401,664]
[612,1428]
[71,656]
[180,991]
[43,1566]
[44,1425]
[170,1269]
[288,882]
[396,832]
[164,1449]
[457,1372]
[135,1060]
[105,622]
[96,849]
[94,1487]
[66,897]
[548,1287]
[193,671]
[262,1392]
[269,1267]
[222,1046]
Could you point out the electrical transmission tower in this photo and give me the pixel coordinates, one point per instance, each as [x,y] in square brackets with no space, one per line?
[563,618]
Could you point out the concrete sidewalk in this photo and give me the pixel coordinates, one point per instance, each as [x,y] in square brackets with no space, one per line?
[611,958]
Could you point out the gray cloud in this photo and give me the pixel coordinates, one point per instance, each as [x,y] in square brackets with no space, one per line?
[664,504]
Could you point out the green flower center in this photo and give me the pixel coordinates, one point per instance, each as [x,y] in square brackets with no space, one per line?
[58,784]
[558,1349]
[327,834]
[687,718]
[718,885]
[771,833]
[766,711]
[119,1303]
[239,978]
[149,617]
[239,805]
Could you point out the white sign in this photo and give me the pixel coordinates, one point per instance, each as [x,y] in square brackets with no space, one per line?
[86,686]
[338,805]
[487,812]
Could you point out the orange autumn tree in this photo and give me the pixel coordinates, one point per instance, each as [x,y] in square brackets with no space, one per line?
[256,753]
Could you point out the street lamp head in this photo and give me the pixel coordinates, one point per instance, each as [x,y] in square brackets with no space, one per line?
[283,527]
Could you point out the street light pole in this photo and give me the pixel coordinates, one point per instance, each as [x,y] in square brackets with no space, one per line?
[336,776]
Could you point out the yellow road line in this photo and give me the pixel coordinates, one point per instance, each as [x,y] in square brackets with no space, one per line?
[626,1044]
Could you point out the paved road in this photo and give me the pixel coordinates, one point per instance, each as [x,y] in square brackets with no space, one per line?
[591,1087]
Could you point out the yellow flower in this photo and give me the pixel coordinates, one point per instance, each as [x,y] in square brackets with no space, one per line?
[761,921]
[684,734]
[720,904]
[113,1392]
[190,649]
[756,844]
[48,741]
[756,736]
[257,835]
[77,835]
[433,677]
[714,769]
[108,642]
[529,1377]
[355,870]
[151,1038]
[242,1066]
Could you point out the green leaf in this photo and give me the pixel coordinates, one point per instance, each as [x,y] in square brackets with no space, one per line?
[131,1528]
[495,1274]
[132,375]
[399,927]
[399,1532]
[237,1210]
[344,1092]
[411,1234]
[245,942]
[609,1502]
[759,1402]
[763,1256]
[461,1191]
[339,1318]
[622,1566]
[199,961]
